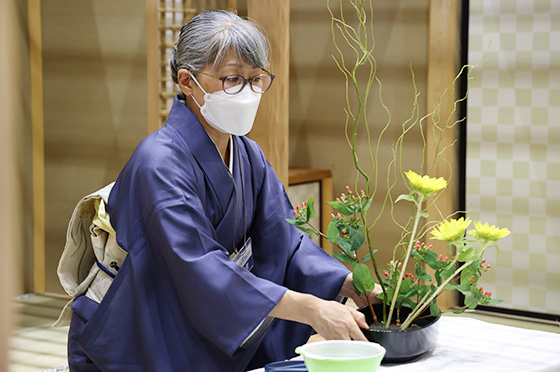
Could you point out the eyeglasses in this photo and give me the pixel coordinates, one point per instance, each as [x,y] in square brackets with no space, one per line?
[233,84]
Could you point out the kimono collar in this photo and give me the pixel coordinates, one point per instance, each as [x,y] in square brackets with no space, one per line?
[205,152]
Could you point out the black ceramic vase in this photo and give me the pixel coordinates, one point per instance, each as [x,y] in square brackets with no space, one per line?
[402,346]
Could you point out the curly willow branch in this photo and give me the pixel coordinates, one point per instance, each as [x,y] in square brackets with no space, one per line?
[361,41]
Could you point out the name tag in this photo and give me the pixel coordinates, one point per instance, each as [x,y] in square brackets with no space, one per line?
[244,256]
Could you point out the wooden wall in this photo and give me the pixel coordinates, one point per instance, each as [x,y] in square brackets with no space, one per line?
[95,88]
[94,64]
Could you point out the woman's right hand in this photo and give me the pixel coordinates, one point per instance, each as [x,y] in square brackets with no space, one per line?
[334,321]
[331,320]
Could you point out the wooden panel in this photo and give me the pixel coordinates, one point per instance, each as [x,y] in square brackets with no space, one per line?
[442,68]
[38,143]
[272,123]
[302,175]
[305,175]
[12,106]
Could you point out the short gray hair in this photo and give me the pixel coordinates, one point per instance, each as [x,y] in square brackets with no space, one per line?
[208,37]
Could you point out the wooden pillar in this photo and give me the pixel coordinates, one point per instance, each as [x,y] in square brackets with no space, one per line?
[38,143]
[12,106]
[443,65]
[152,64]
[272,122]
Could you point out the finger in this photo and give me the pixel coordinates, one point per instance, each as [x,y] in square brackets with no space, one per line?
[360,319]
[356,334]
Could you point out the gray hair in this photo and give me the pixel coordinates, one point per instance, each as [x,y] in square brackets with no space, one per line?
[208,37]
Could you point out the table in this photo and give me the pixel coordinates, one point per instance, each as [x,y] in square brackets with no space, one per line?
[466,344]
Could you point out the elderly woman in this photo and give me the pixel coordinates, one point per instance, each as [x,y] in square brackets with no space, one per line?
[215,279]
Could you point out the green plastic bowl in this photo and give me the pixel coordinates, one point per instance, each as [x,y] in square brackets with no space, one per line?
[337,356]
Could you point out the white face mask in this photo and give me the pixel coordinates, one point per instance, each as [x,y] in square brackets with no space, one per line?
[230,113]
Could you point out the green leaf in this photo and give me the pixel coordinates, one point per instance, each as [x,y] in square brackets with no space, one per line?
[368,256]
[424,214]
[333,235]
[407,197]
[341,207]
[459,311]
[307,230]
[447,272]
[465,288]
[450,287]
[468,254]
[493,301]
[310,209]
[405,285]
[430,259]
[407,302]
[422,290]
[420,271]
[471,301]
[291,222]
[434,309]
[356,239]
[342,257]
[362,279]
[345,244]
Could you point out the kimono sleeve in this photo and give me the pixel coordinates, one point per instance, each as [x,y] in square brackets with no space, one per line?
[309,268]
[223,302]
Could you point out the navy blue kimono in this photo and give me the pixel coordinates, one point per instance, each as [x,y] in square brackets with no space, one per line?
[179,303]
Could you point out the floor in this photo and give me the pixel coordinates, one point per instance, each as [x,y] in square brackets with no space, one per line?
[37,347]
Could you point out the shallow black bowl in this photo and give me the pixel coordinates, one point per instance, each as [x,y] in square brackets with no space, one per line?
[402,346]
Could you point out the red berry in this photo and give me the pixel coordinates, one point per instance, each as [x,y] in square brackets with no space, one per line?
[483,260]
[472,278]
[295,214]
[488,267]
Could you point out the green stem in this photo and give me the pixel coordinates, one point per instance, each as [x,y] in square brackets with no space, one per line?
[407,256]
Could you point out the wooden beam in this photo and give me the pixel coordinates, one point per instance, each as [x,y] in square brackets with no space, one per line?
[38,143]
[271,127]
[152,64]
[443,65]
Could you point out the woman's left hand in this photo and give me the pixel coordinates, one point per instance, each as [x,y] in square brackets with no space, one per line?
[347,290]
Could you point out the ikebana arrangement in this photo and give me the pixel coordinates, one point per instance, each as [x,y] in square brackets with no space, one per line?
[406,281]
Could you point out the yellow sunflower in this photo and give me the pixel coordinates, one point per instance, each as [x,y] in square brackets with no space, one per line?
[488,233]
[452,230]
[424,184]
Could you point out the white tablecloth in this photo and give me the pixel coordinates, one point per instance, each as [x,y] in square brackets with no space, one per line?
[470,345]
